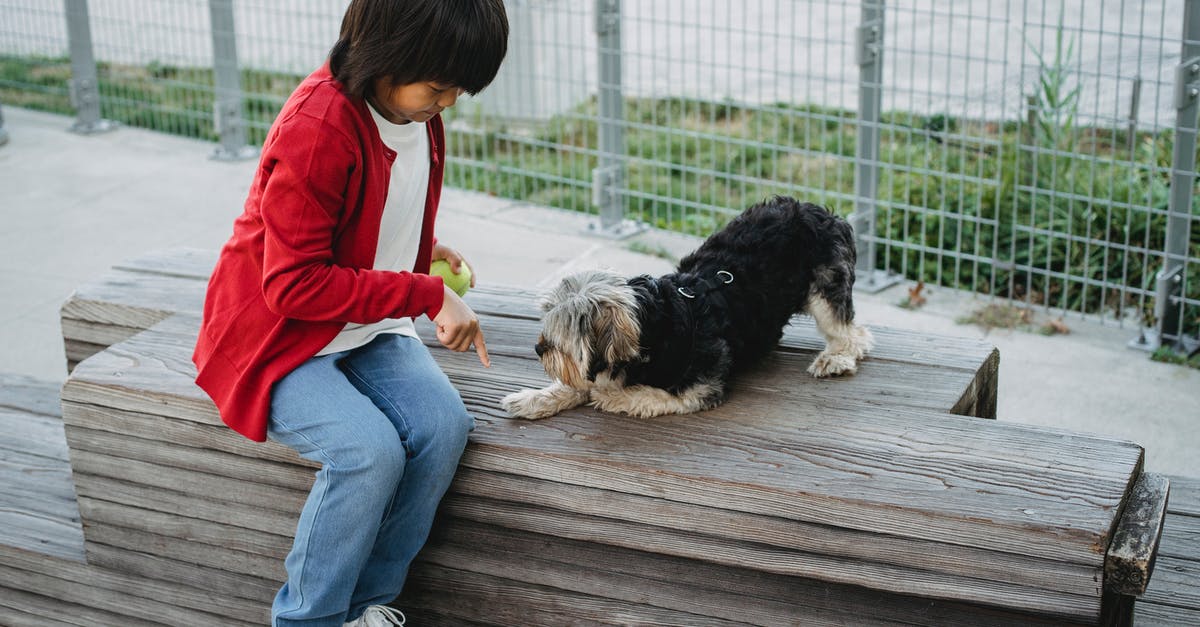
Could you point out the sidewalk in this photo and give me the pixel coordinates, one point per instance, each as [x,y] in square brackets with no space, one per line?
[73,206]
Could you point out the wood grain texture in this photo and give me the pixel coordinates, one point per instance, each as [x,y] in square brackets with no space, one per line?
[122,599]
[849,455]
[1181,536]
[1130,559]
[37,497]
[142,565]
[1172,597]
[909,472]
[26,395]
[867,483]
[747,595]
[1185,496]
[574,506]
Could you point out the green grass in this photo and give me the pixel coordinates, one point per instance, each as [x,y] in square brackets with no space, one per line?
[1169,356]
[987,206]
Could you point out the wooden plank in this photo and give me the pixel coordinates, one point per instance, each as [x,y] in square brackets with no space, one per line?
[914,474]
[855,544]
[232,515]
[1130,558]
[212,462]
[154,602]
[980,399]
[47,535]
[725,520]
[13,617]
[207,436]
[488,600]
[905,581]
[210,487]
[770,531]
[1181,537]
[216,580]
[211,556]
[717,591]
[27,395]
[1185,496]
[623,575]
[1176,583]
[1053,574]
[37,502]
[133,299]
[64,613]
[1154,615]
[219,537]
[32,434]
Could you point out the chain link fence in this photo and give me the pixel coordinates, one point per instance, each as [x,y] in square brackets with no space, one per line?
[1039,151]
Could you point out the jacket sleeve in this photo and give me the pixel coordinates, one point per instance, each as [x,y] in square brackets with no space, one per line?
[302,205]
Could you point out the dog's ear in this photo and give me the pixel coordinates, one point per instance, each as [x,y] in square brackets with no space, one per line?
[616,331]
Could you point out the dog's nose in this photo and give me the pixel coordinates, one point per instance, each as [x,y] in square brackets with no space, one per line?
[539,348]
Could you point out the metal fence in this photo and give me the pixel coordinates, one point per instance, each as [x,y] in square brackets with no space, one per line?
[1040,151]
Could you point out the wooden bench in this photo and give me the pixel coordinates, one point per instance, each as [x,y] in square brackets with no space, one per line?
[870,499]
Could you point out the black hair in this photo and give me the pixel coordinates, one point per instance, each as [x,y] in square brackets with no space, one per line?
[456,42]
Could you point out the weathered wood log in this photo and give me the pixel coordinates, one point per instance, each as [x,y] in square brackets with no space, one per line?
[940,495]
[1134,546]
[860,497]
[46,588]
[731,593]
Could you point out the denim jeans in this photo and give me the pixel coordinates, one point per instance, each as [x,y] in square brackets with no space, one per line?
[388,430]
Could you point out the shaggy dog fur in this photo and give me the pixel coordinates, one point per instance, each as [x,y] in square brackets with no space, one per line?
[651,346]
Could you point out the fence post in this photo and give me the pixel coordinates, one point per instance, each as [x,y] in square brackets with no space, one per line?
[869,56]
[608,178]
[1168,303]
[84,85]
[227,82]
[3,132]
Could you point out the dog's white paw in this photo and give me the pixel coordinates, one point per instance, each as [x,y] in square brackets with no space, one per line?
[529,404]
[543,403]
[832,364]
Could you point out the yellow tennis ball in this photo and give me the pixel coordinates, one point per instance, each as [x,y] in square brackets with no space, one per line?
[460,282]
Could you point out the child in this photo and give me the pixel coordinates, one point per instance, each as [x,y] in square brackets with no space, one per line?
[307,336]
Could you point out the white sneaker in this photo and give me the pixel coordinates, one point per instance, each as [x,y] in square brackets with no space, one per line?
[378,616]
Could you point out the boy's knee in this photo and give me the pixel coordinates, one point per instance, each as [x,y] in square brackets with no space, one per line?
[448,435]
[380,457]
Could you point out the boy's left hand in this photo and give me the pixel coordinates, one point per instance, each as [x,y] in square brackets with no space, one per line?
[452,257]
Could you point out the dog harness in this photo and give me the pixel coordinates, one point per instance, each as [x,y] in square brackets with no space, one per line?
[723,277]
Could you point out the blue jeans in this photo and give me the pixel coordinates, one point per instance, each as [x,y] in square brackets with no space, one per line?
[388,430]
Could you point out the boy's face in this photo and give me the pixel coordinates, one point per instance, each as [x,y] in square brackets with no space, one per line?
[413,102]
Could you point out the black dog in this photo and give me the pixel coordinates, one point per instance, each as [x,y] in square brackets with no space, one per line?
[651,346]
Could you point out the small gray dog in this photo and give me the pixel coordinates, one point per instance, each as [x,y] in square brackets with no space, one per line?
[652,346]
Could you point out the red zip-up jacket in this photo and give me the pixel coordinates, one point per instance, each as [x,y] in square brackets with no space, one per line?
[299,263]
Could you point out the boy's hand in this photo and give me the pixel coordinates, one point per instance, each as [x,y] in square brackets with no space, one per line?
[454,258]
[458,327]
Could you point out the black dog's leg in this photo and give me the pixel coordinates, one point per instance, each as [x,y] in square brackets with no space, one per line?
[831,304]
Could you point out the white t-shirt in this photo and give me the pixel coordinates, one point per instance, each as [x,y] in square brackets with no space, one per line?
[400,226]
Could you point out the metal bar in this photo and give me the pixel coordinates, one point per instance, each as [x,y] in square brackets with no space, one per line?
[608,179]
[85,83]
[869,57]
[227,103]
[1169,304]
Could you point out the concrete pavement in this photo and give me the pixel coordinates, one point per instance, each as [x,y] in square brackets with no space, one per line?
[75,205]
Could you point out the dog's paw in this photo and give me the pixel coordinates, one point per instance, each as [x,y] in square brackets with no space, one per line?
[543,403]
[528,404]
[833,364]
